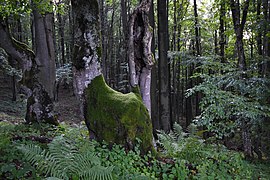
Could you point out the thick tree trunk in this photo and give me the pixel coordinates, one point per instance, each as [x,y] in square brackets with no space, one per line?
[164,89]
[109,115]
[45,53]
[39,104]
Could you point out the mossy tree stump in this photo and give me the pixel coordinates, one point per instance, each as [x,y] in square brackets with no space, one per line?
[109,115]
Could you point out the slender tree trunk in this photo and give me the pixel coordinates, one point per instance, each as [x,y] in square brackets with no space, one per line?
[164,89]
[154,73]
[216,42]
[259,36]
[239,24]
[238,29]
[222,41]
[266,39]
[197,30]
[61,33]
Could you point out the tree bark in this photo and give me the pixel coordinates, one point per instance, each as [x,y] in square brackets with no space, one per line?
[140,54]
[266,39]
[39,103]
[164,89]
[154,90]
[222,41]
[45,53]
[61,32]
[238,29]
[197,30]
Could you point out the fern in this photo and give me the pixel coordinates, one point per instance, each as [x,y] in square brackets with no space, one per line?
[65,160]
[180,144]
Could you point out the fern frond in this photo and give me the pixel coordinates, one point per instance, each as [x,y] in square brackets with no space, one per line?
[33,153]
[97,173]
[64,160]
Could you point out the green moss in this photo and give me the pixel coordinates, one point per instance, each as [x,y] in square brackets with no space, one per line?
[116,117]
[23,47]
[99,52]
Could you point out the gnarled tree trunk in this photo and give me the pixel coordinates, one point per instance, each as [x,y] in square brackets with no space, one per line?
[140,54]
[109,115]
[39,104]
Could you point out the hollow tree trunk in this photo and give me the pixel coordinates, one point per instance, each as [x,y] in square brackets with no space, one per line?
[109,115]
[39,104]
[140,54]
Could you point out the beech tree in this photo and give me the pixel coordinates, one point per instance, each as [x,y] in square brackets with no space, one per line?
[39,103]
[164,88]
[239,23]
[109,115]
[44,48]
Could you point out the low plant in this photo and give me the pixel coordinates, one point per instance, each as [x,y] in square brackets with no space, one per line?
[205,161]
[65,159]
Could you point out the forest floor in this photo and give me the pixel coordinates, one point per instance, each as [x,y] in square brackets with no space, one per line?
[67,107]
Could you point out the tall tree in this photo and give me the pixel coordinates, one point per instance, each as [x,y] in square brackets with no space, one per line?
[197,30]
[266,39]
[61,35]
[163,76]
[222,41]
[239,24]
[154,88]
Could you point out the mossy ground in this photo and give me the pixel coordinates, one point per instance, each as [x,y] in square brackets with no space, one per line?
[117,117]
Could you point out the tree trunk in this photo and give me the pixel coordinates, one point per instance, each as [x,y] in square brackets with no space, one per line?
[266,39]
[140,54]
[238,29]
[197,30]
[39,104]
[164,89]
[109,115]
[61,35]
[154,90]
[45,53]
[222,41]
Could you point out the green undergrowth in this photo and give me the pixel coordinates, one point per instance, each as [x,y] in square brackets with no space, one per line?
[41,151]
